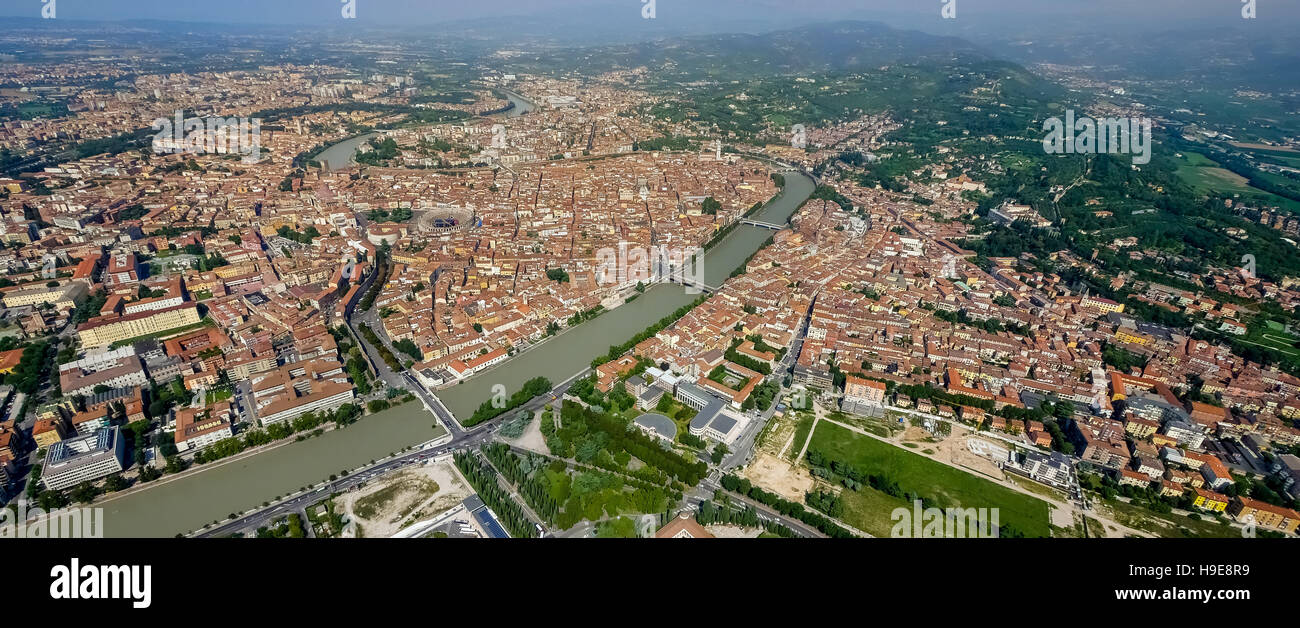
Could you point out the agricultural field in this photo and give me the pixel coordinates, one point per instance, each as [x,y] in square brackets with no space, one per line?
[1205,176]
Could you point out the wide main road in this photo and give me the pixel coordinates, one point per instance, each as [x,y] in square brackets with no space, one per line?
[460,438]
[261,516]
[179,504]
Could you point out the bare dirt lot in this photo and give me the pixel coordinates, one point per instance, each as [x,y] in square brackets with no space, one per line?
[780,477]
[953,450]
[733,532]
[389,504]
[777,435]
[532,438]
[915,434]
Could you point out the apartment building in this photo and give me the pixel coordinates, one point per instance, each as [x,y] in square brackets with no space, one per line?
[1216,473]
[126,373]
[1245,510]
[62,297]
[197,428]
[862,395]
[123,269]
[285,393]
[1209,500]
[47,432]
[106,330]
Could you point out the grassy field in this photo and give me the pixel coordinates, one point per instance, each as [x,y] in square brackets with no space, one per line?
[869,510]
[1274,338]
[931,479]
[800,436]
[1168,525]
[1035,487]
[220,394]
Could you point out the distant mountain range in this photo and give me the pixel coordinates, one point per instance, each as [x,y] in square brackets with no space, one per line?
[757,37]
[808,49]
[1222,55]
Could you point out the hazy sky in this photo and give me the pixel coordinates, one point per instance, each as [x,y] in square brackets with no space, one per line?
[717,14]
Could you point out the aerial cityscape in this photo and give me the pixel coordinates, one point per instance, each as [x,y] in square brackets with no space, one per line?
[642,269]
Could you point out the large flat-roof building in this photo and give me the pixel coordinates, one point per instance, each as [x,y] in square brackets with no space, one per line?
[709,422]
[127,372]
[84,458]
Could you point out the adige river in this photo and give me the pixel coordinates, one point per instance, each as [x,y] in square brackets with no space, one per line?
[186,503]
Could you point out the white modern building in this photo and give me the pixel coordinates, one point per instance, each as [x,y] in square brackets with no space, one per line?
[84,458]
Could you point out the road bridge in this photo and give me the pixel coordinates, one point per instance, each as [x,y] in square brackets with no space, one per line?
[766,225]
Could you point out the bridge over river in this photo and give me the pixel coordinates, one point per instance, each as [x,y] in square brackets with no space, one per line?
[188,502]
